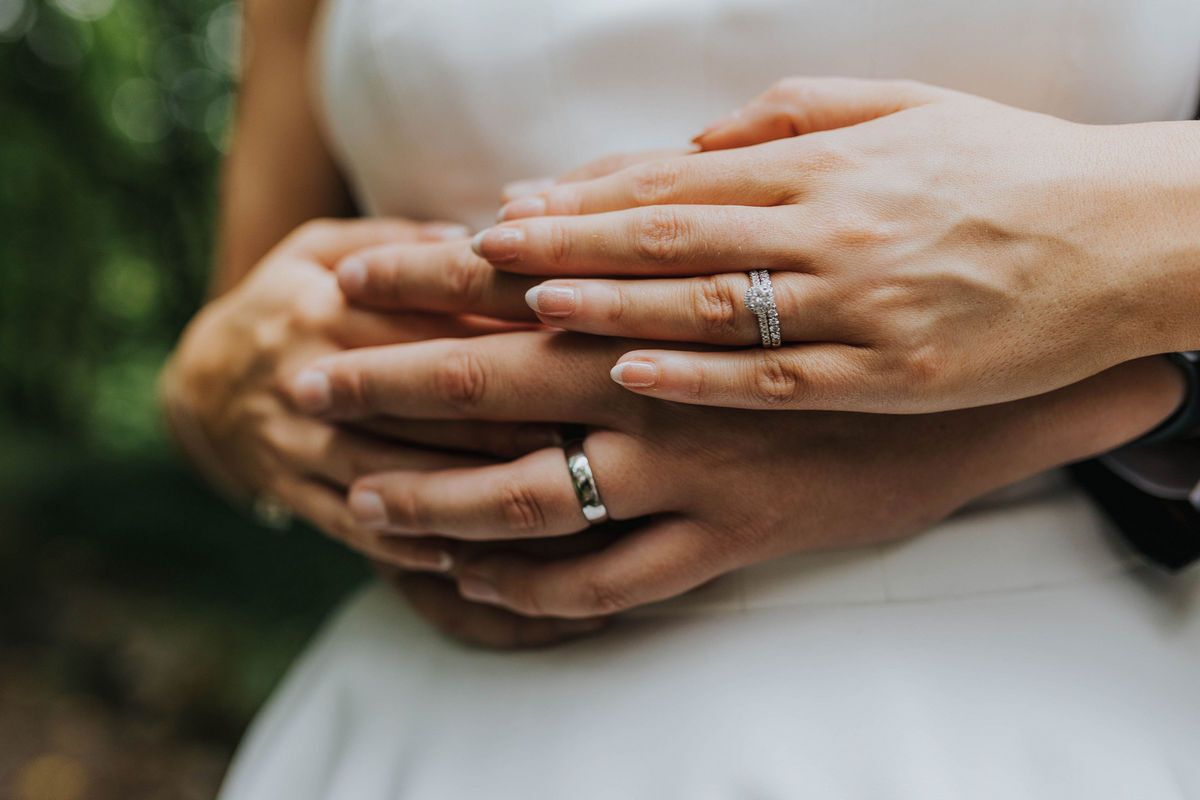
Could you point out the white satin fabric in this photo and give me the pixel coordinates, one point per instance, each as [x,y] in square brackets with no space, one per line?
[1013,651]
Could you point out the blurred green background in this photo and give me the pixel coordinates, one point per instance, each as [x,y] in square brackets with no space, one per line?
[141,620]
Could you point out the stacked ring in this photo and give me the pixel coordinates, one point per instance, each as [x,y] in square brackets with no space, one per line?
[760,300]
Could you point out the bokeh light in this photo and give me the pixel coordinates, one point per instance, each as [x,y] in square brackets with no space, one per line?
[86,10]
[139,112]
[15,18]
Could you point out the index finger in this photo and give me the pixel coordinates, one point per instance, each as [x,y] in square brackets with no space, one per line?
[447,278]
[750,176]
[512,377]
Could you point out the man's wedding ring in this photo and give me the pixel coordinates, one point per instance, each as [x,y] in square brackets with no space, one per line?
[585,483]
[760,299]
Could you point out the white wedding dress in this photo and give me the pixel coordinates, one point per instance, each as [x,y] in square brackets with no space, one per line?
[1015,651]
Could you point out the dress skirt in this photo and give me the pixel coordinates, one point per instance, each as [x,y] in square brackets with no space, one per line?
[1015,651]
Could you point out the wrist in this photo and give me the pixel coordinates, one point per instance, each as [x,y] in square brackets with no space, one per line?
[1102,413]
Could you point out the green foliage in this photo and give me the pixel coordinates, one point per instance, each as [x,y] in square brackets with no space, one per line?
[114,113]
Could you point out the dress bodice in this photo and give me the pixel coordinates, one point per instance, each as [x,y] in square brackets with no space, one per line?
[433,104]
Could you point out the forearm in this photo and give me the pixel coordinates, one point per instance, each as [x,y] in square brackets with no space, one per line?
[1028,436]
[279,172]
[1156,214]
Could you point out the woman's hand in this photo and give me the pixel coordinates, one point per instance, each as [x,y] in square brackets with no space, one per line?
[398,276]
[714,489]
[931,250]
[223,394]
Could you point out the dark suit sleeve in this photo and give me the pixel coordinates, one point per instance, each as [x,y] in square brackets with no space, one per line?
[1152,493]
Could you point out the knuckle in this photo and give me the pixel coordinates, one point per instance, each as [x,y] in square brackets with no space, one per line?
[460,380]
[350,389]
[521,510]
[714,305]
[661,237]
[318,308]
[466,278]
[618,308]
[923,365]
[558,244]
[794,90]
[776,381]
[406,510]
[603,596]
[522,593]
[655,182]
[314,230]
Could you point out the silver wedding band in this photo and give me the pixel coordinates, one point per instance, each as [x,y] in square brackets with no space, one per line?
[760,300]
[584,483]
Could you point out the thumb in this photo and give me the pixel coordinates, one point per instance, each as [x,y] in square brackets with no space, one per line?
[796,106]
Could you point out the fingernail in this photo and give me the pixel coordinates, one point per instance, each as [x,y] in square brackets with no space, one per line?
[368,509]
[498,244]
[448,233]
[434,561]
[311,390]
[522,188]
[635,374]
[552,301]
[720,123]
[477,589]
[570,626]
[534,206]
[530,438]
[352,275]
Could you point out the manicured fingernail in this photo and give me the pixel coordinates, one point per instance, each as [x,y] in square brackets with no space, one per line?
[477,589]
[312,392]
[498,244]
[368,509]
[352,275]
[552,301]
[530,438]
[523,188]
[448,233]
[534,206]
[635,374]
[575,626]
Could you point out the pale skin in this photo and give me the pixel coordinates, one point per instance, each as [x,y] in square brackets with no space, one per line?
[931,250]
[241,382]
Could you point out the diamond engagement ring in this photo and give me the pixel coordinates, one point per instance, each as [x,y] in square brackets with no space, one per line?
[585,483]
[760,299]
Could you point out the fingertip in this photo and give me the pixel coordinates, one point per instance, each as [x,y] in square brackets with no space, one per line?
[499,243]
[531,206]
[352,275]
[635,373]
[367,507]
[518,189]
[552,301]
[720,123]
[478,589]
